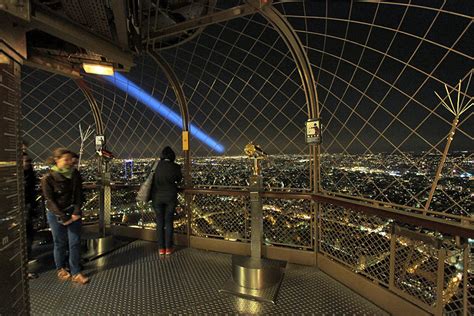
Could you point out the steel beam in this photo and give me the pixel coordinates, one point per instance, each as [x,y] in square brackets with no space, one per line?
[119,8]
[52,65]
[218,17]
[71,32]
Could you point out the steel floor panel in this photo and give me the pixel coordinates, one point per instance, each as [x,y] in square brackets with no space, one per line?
[136,280]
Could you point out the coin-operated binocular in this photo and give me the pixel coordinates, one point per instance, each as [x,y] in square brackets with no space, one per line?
[257,153]
[254,277]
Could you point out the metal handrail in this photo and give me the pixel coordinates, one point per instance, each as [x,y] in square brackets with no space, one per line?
[409,216]
[455,226]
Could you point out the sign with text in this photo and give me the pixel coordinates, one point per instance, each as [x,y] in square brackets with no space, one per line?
[313,131]
[99,141]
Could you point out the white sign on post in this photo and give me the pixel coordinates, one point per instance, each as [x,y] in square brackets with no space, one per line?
[313,131]
[99,141]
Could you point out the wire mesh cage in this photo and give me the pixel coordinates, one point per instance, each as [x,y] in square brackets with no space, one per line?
[394,97]
[288,223]
[359,241]
[225,217]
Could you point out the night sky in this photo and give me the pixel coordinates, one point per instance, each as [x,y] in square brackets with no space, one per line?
[376,67]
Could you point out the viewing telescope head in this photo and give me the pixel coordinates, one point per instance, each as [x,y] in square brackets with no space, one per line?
[254,151]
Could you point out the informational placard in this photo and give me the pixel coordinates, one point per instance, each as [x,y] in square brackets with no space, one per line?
[99,141]
[313,131]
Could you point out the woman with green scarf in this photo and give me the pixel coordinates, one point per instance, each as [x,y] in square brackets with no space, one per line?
[62,190]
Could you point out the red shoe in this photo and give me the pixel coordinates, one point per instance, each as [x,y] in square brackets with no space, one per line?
[169,251]
[162,251]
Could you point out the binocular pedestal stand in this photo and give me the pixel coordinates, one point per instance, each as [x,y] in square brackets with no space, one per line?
[254,277]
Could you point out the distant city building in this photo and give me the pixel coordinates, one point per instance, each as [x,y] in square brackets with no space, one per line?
[128,169]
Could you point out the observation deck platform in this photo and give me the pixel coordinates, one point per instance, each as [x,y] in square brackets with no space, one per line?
[136,280]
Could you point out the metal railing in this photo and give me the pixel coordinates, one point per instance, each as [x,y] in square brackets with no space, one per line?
[424,259]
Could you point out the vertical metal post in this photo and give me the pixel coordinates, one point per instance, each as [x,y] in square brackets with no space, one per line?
[440,282]
[393,244]
[314,207]
[257,216]
[188,197]
[107,200]
[189,214]
[100,187]
[13,255]
[466,263]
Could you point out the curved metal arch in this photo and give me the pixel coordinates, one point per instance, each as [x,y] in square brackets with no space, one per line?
[183,106]
[96,112]
[176,86]
[294,44]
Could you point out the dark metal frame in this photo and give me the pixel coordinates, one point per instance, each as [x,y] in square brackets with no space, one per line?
[69,31]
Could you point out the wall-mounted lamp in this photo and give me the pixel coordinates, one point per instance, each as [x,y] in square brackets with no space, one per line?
[98,69]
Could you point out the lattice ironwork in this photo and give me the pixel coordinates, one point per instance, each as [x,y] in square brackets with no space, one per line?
[242,98]
[469,281]
[378,100]
[288,223]
[422,270]
[359,241]
[377,66]
[417,270]
[226,217]
[376,90]
[456,279]
[91,205]
[52,107]
[124,209]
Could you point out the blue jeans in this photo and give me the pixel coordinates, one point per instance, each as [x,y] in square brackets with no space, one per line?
[64,238]
[164,223]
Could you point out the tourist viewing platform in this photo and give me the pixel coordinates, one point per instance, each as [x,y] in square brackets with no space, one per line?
[236,157]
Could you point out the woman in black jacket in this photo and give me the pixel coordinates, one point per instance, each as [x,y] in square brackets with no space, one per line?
[164,197]
[62,190]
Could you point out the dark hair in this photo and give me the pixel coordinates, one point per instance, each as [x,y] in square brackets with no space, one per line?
[25,156]
[74,155]
[168,153]
[58,153]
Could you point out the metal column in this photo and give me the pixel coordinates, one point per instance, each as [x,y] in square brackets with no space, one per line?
[13,258]
[257,216]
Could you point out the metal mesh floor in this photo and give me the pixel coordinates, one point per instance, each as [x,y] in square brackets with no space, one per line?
[135,280]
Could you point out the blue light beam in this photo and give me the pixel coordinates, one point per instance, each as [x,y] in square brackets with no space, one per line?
[142,96]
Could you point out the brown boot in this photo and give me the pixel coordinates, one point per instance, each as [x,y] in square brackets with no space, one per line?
[80,278]
[63,275]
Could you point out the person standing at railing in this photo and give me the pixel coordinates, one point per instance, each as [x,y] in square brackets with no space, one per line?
[164,195]
[62,190]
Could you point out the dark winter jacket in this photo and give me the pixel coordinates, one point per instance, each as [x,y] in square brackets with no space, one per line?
[165,181]
[61,192]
